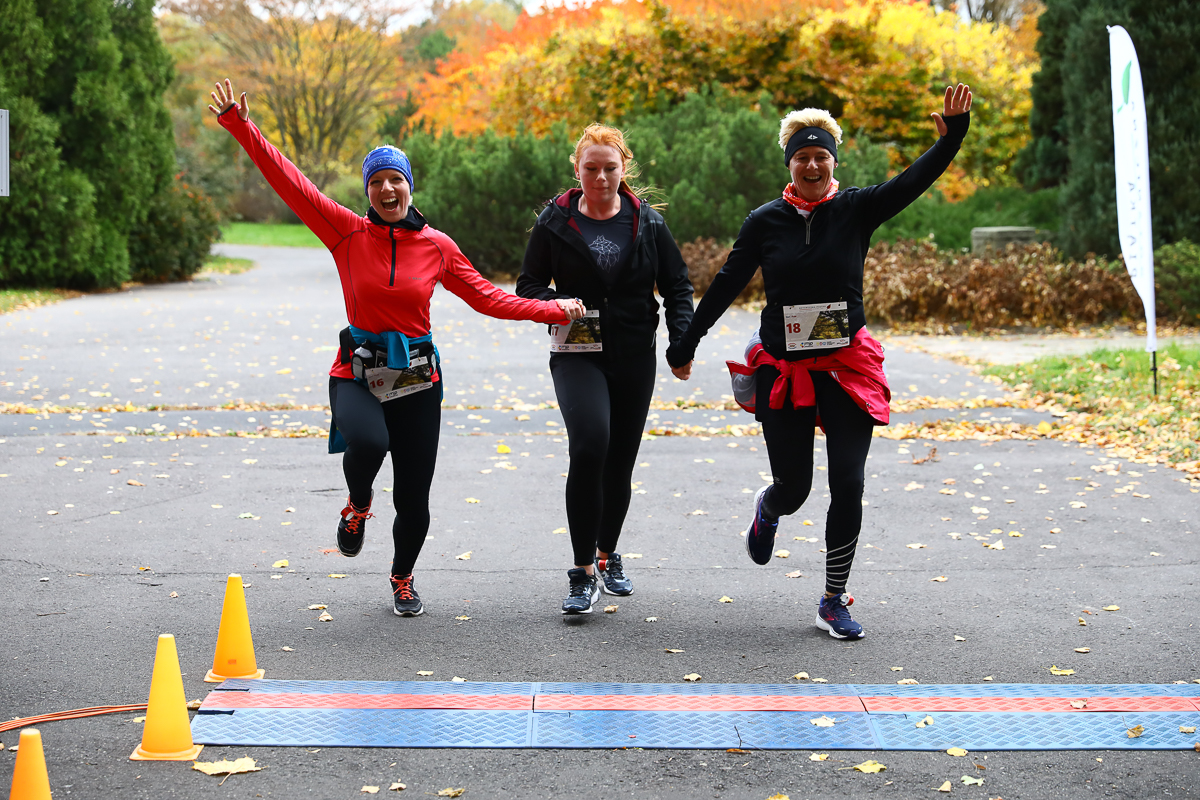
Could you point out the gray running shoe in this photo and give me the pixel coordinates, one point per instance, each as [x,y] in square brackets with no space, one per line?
[612,575]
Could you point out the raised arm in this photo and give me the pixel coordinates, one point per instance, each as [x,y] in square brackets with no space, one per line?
[883,201]
[737,271]
[460,277]
[329,221]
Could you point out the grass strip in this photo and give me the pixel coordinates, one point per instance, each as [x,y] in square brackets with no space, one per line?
[21,299]
[272,234]
[223,265]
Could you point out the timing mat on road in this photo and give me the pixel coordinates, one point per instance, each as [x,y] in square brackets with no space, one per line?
[698,716]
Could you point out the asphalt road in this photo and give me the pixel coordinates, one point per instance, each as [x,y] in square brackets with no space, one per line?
[94,568]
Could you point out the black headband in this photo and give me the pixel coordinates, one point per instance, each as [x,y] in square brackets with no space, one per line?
[808,137]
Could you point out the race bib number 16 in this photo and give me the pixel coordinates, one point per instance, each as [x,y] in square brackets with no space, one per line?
[816,327]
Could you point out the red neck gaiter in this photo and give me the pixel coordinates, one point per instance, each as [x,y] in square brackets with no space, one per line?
[800,204]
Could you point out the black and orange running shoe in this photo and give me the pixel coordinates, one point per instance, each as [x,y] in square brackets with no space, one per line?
[405,600]
[353,527]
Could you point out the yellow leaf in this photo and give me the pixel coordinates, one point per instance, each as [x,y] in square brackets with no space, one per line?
[139,719]
[818,756]
[1015,534]
[897,669]
[958,752]
[369,790]
[1112,608]
[503,448]
[924,722]
[692,677]
[908,682]
[325,617]
[132,482]
[1083,622]
[782,553]
[462,618]
[725,599]
[945,787]
[450,792]
[939,579]
[807,522]
[870,766]
[226,767]
[823,721]
[774,796]
[318,606]
[464,556]
[284,371]
[397,787]
[1135,732]
[337,575]
[559,530]
[800,676]
[1054,670]
[1043,428]
[611,609]
[283,562]
[424,673]
[472,500]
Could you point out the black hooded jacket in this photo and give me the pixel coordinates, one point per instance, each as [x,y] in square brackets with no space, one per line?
[628,309]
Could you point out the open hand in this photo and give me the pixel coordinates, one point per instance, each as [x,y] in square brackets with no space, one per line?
[957,101]
[684,372]
[574,309]
[225,100]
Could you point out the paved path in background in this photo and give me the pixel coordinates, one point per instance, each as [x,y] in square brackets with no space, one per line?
[82,613]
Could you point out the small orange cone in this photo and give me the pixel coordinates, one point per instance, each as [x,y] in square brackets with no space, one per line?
[30,779]
[235,648]
[167,735]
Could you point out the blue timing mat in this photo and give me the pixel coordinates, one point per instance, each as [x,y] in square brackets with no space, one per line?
[698,716]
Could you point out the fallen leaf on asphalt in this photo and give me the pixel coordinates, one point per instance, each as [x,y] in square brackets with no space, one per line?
[820,680]
[823,721]
[1135,731]
[194,704]
[462,618]
[287,649]
[725,599]
[503,448]
[793,574]
[1083,622]
[969,781]
[960,639]
[457,679]
[1187,728]
[927,721]
[692,677]
[464,556]
[997,545]
[651,619]
[1083,649]
[782,553]
[1112,608]
[337,575]
[800,676]
[1054,670]
[908,682]
[958,752]
[611,609]
[1079,704]
[947,491]
[472,500]
[870,766]
[807,522]
[1078,504]
[397,787]
[818,756]
[325,617]
[289,510]
[897,669]
[945,787]
[369,790]
[988,678]
[139,719]
[450,792]
[559,530]
[283,562]
[132,482]
[939,579]
[915,546]
[1015,534]
[1049,546]
[226,767]
[174,594]
[113,471]
[913,485]
[318,606]
[671,650]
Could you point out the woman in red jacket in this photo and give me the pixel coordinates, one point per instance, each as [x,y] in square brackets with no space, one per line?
[385,387]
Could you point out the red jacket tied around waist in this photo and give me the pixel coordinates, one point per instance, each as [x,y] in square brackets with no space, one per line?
[388,273]
[858,369]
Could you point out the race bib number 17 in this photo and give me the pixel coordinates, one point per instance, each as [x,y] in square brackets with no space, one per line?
[580,336]
[816,327]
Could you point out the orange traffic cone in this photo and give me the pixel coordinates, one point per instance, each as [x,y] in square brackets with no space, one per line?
[167,735]
[30,779]
[235,648]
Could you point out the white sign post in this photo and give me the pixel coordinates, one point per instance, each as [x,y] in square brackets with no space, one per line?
[3,152]
[1132,160]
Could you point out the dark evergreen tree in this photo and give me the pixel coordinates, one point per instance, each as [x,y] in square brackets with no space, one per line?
[1072,117]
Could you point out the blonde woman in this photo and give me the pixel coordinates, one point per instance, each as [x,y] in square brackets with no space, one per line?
[603,244]
[813,360]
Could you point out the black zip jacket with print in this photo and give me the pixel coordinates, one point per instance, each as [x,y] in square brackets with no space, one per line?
[627,305]
[814,260]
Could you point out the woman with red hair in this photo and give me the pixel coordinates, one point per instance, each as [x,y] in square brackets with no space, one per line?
[603,244]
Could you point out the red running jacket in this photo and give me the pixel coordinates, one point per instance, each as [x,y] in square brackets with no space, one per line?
[387,273]
[857,368]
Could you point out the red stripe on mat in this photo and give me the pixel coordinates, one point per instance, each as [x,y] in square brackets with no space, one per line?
[471,702]
[685,702]
[1028,703]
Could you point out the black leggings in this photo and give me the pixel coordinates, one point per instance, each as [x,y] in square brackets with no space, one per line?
[604,406]
[409,426]
[789,435]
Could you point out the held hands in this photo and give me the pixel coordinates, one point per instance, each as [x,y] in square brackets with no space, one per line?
[957,101]
[684,372]
[574,309]
[225,100]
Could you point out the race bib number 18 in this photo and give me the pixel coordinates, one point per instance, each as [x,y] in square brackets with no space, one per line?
[817,326]
[581,336]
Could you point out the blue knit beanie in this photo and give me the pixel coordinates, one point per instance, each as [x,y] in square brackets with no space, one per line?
[386,157]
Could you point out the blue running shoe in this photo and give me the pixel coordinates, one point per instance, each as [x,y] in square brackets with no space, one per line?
[833,617]
[760,536]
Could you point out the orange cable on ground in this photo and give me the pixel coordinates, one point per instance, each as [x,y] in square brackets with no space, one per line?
[78,713]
